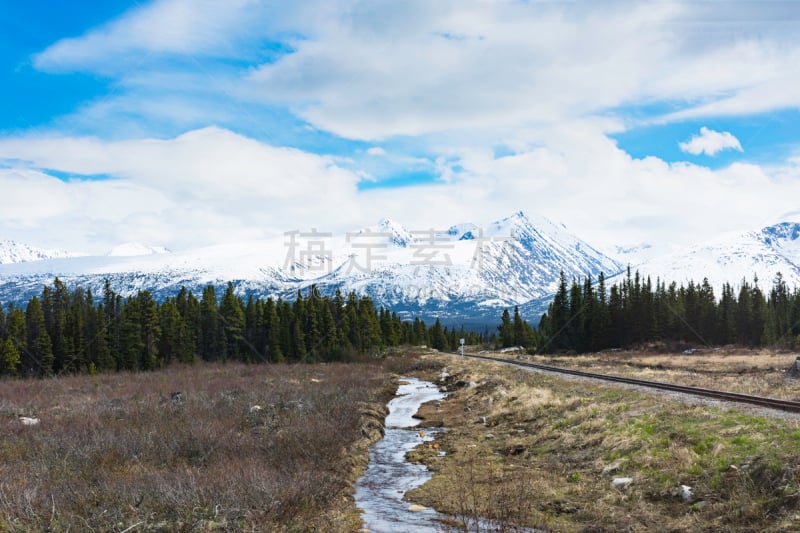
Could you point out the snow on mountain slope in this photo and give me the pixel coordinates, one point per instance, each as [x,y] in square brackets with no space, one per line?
[132,249]
[760,253]
[464,271]
[15,252]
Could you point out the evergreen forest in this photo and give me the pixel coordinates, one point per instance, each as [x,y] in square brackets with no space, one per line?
[585,316]
[70,330]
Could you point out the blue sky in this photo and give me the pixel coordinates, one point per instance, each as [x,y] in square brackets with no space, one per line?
[190,122]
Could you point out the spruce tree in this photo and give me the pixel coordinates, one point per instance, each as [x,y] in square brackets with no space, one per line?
[39,348]
[9,358]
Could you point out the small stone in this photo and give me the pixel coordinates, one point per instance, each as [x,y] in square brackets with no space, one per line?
[489,435]
[416,508]
[28,420]
[481,420]
[621,482]
[684,491]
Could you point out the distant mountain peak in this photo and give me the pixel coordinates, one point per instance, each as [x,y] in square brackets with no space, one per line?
[400,236]
[780,233]
[16,252]
[731,258]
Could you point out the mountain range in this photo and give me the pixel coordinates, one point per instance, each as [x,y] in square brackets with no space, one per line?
[464,274]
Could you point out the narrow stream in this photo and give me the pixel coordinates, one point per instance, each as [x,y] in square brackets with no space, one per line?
[379,492]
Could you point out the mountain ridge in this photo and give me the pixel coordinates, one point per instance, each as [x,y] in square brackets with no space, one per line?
[464,272]
[12,251]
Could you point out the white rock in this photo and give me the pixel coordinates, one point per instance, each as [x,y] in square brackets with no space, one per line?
[28,421]
[255,408]
[416,508]
[621,482]
[684,491]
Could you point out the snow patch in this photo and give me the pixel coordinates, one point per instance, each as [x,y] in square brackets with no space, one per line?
[135,249]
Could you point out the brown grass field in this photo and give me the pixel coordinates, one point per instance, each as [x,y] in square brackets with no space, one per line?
[117,453]
[759,372]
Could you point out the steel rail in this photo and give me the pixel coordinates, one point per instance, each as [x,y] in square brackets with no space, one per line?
[763,401]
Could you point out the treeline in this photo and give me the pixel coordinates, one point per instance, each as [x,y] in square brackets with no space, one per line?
[585,317]
[71,331]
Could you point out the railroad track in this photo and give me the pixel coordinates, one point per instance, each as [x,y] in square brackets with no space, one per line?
[762,401]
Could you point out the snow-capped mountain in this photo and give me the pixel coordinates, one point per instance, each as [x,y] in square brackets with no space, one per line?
[464,272]
[760,253]
[15,252]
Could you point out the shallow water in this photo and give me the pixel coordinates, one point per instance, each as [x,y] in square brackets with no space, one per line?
[379,492]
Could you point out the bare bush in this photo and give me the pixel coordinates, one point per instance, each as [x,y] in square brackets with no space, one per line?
[114,451]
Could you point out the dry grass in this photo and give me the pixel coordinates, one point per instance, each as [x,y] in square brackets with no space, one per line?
[116,451]
[746,371]
[541,451]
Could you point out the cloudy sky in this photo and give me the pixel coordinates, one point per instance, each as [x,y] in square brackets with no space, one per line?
[189,122]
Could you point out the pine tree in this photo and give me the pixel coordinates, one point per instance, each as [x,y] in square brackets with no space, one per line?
[438,338]
[600,321]
[520,329]
[39,348]
[231,314]
[212,335]
[17,332]
[100,350]
[9,358]
[3,329]
[505,331]
[273,326]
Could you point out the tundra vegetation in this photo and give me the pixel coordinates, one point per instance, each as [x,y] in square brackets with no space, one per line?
[240,448]
[535,450]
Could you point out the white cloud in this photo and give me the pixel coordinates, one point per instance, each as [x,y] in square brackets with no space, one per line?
[451,79]
[198,188]
[374,70]
[164,26]
[710,142]
[211,185]
[515,63]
